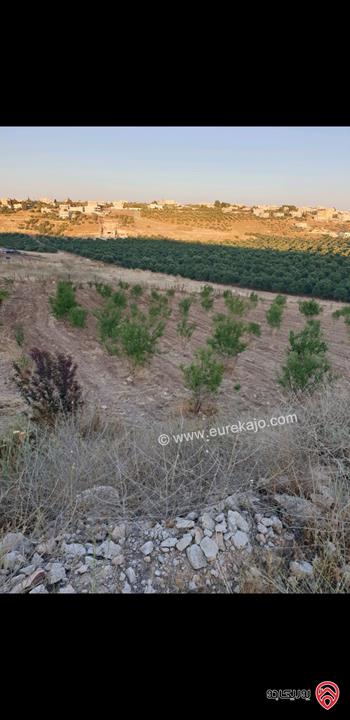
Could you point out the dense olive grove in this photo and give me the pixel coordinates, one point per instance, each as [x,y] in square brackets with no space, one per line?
[320,274]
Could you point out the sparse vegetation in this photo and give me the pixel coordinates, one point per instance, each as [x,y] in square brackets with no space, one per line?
[227,336]
[203,377]
[206,294]
[138,340]
[77,316]
[104,289]
[253,328]
[234,304]
[307,365]
[119,299]
[136,291]
[310,308]
[19,335]
[184,306]
[3,295]
[64,300]
[275,312]
[185,329]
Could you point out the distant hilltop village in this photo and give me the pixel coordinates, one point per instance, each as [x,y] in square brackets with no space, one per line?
[68,208]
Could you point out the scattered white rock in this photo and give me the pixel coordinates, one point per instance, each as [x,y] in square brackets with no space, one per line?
[47,547]
[207,522]
[198,534]
[301,568]
[322,500]
[196,557]
[221,527]
[210,548]
[262,529]
[56,574]
[184,542]
[231,502]
[169,542]
[147,548]
[73,550]
[277,525]
[219,539]
[268,522]
[12,560]
[119,532]
[126,588]
[237,521]
[108,550]
[240,539]
[130,573]
[35,579]
[82,569]
[297,507]
[184,524]
[39,589]
[67,590]
[13,542]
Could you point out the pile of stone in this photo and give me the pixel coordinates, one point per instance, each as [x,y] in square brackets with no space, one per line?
[202,551]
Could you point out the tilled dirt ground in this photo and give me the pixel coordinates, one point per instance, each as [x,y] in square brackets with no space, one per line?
[157,392]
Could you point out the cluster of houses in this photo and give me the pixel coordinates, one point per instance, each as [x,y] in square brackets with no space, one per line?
[69,209]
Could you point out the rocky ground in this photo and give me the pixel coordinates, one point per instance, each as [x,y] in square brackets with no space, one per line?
[201,552]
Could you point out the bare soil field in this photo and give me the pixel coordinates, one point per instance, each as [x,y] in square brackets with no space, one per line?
[157,392]
[199,230]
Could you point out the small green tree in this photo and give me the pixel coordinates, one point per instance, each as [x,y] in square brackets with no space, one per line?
[138,340]
[136,291]
[109,319]
[345,313]
[253,328]
[3,295]
[274,315]
[185,329]
[64,299]
[104,289]
[184,306]
[235,305]
[227,336]
[119,299]
[206,294]
[309,308]
[77,316]
[280,300]
[203,377]
[253,298]
[19,335]
[307,365]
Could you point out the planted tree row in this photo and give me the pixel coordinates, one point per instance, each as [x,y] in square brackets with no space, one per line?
[319,273]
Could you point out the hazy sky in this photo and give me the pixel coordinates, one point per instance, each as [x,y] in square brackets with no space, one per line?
[296,165]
